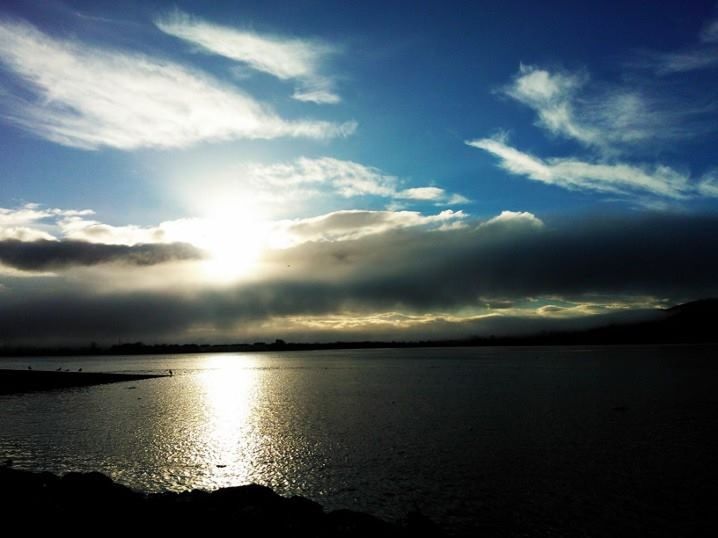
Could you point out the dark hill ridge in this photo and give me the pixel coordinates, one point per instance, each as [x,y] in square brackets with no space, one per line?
[688,323]
[93,502]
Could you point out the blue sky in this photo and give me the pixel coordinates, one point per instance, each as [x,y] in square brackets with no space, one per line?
[202,123]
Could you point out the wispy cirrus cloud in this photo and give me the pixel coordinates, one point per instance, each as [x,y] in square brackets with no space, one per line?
[575,174]
[285,58]
[83,96]
[702,55]
[599,116]
[614,124]
[709,34]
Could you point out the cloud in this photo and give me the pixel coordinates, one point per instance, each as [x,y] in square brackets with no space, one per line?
[21,233]
[682,61]
[709,34]
[700,55]
[354,224]
[574,174]
[285,58]
[512,257]
[708,186]
[83,96]
[31,222]
[600,116]
[44,255]
[551,95]
[703,55]
[424,280]
[346,178]
[514,218]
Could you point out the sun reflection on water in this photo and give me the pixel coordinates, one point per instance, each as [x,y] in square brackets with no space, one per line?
[231,393]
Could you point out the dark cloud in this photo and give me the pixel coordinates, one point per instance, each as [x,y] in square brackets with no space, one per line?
[672,256]
[46,255]
[411,271]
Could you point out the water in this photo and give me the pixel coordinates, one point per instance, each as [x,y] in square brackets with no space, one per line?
[542,441]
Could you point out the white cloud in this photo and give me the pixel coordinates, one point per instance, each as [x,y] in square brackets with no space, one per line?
[285,58]
[702,55]
[514,218]
[227,235]
[551,95]
[574,174]
[708,186]
[347,178]
[92,231]
[32,222]
[89,97]
[683,61]
[606,118]
[354,224]
[316,93]
[20,233]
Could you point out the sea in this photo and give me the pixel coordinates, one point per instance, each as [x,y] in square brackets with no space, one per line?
[490,441]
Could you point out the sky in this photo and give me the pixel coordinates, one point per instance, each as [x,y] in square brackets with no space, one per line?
[243,171]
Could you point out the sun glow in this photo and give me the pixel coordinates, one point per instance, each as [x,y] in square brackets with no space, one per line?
[234,247]
[233,240]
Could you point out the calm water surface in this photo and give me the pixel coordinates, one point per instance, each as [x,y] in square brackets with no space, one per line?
[510,441]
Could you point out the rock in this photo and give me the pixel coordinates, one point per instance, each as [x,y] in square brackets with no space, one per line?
[43,502]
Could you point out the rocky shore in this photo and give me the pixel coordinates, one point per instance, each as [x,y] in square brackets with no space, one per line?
[93,502]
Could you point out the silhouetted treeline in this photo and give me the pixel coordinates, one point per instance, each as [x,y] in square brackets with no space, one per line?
[690,323]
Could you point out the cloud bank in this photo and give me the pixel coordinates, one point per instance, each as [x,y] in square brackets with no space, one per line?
[46,255]
[434,277]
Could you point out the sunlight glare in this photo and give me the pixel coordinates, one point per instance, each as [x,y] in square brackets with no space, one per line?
[234,240]
[231,393]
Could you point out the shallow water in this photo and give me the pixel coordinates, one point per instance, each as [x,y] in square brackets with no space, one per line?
[544,441]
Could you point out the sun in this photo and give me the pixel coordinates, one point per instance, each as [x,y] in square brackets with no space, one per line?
[233,240]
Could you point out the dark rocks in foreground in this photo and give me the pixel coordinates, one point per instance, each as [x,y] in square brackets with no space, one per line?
[93,502]
[12,381]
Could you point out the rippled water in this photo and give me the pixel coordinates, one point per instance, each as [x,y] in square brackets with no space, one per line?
[545,441]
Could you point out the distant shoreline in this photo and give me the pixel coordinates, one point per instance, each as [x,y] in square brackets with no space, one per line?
[690,323]
[179,349]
